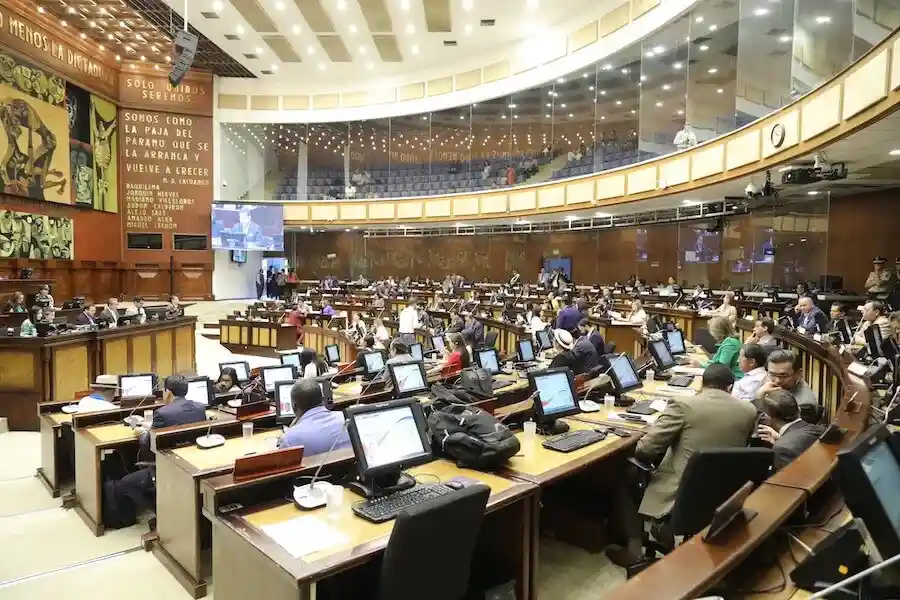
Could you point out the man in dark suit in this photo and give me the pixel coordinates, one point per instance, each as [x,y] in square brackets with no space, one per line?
[477,328]
[789,435]
[110,312]
[246,226]
[178,410]
[86,317]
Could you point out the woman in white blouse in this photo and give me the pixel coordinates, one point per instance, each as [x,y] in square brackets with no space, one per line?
[637,314]
[380,332]
[727,309]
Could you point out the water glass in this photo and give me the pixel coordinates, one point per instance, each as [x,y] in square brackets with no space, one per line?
[247,429]
[334,501]
[609,401]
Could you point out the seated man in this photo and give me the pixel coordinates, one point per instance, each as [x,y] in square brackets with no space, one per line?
[565,357]
[789,435]
[86,317]
[752,362]
[137,310]
[367,347]
[110,312]
[585,353]
[593,336]
[399,353]
[178,410]
[315,427]
[711,419]
[103,391]
[784,370]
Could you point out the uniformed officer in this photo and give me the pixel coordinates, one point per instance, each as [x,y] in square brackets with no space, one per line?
[880,280]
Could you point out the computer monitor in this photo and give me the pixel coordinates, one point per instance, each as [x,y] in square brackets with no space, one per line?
[659,350]
[437,342]
[273,374]
[408,378]
[284,408]
[868,476]
[242,368]
[387,437]
[137,385]
[526,350]
[556,396]
[415,350]
[623,374]
[332,354]
[291,358]
[374,362]
[200,390]
[873,341]
[676,342]
[487,359]
[543,340]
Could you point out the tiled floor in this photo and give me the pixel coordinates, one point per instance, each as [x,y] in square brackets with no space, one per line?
[45,550]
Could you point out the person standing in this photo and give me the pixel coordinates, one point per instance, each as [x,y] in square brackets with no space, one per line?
[260,284]
[879,281]
[409,322]
[543,279]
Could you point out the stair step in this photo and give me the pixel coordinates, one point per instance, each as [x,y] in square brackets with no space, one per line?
[210,336]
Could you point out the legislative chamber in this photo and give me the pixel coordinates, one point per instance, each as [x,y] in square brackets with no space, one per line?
[449,299]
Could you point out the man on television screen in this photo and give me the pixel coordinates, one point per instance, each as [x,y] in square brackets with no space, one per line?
[246,226]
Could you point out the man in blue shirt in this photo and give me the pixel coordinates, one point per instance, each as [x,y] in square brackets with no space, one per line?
[315,427]
[568,318]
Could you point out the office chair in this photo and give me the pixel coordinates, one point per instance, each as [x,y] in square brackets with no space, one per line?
[704,339]
[415,559]
[711,477]
[812,413]
[490,339]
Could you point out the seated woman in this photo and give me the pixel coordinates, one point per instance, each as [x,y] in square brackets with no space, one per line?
[28,329]
[727,309]
[456,356]
[637,314]
[728,347]
[311,364]
[227,381]
[15,304]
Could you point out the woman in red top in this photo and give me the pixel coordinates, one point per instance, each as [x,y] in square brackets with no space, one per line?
[457,357]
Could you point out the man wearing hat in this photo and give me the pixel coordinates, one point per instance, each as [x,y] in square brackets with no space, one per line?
[879,282]
[565,357]
[103,391]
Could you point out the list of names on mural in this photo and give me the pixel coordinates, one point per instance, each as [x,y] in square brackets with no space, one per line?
[167,171]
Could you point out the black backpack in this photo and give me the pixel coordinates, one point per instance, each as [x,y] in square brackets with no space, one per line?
[471,437]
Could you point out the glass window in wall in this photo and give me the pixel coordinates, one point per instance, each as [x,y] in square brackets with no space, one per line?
[326,149]
[370,158]
[823,41]
[492,145]
[712,69]
[765,42]
[875,20]
[616,109]
[663,88]
[450,133]
[527,127]
[410,149]
[800,237]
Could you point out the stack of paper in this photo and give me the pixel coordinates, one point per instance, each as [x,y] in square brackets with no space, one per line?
[304,535]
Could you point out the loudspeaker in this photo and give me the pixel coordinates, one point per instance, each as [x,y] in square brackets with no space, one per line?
[185,49]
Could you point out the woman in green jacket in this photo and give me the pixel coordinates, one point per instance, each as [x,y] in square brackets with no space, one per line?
[728,346]
[28,329]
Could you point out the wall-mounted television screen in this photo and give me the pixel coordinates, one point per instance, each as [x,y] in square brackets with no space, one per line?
[247,227]
[700,245]
[239,256]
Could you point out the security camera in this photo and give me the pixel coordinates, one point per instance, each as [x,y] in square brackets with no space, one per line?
[751,191]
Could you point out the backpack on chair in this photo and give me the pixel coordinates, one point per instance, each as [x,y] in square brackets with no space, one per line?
[471,437]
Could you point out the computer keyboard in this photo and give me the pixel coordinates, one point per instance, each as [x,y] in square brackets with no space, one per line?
[499,384]
[379,510]
[681,381]
[574,440]
[642,407]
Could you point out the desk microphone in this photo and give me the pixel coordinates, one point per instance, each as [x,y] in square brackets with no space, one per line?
[309,497]
[133,420]
[210,440]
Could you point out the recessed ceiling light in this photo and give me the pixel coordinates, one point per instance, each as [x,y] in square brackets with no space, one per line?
[118,58]
[699,19]
[720,90]
[404,4]
[618,103]
[321,66]
[239,29]
[602,92]
[571,115]
[467,4]
[649,54]
[258,50]
[41,9]
[704,48]
[677,66]
[279,5]
[633,111]
[713,71]
[342,4]
[784,39]
[217,6]
[296,29]
[547,115]
[761,12]
[414,49]
[410,28]
[667,87]
[624,71]
[894,152]
[63,23]
[83,35]
[533,3]
[274,67]
[102,48]
[812,193]
[659,104]
[310,50]
[821,20]
[560,80]
[468,29]
[591,88]
[659,49]
[362,49]
[713,27]
[680,111]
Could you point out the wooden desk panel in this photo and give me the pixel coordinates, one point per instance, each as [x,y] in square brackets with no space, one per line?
[259,338]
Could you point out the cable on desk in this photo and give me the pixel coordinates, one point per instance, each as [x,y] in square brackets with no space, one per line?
[820,526]
[775,589]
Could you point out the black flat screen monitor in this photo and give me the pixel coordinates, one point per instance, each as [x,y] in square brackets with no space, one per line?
[556,396]
[332,354]
[437,342]
[526,350]
[137,385]
[659,350]
[388,437]
[676,342]
[374,362]
[488,359]
[291,358]
[543,340]
[623,374]
[415,350]
[200,390]
[868,476]
[284,408]
[273,374]
[408,378]
[242,368]
[873,341]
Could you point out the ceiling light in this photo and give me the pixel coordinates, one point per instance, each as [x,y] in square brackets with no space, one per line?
[720,91]
[310,50]
[83,35]
[689,202]
[618,103]
[258,50]
[633,111]
[591,88]
[761,12]
[342,4]
[894,152]
[362,49]
[649,54]
[102,48]
[63,23]
[404,4]
[549,105]
[118,58]
[624,71]
[71,10]
[274,67]
[602,215]
[410,28]
[704,48]
[659,104]
[414,49]
[352,28]
[784,39]
[699,19]
[713,27]
[677,66]
[296,29]
[680,111]
[239,29]
[468,29]
[713,71]
[821,20]
[659,49]
[563,105]
[667,87]
[547,116]
[41,9]
[571,115]
[602,92]
[321,66]
[571,217]
[812,193]
[467,4]
[279,5]
[217,6]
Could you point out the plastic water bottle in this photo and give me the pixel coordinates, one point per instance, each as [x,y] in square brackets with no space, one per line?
[649,375]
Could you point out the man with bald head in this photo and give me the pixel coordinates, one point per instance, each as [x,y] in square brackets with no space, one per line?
[315,427]
[810,317]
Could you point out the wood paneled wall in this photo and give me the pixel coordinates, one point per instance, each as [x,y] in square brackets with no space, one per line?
[858,227]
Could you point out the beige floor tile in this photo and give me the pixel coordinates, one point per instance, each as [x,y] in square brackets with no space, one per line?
[135,576]
[568,572]
[20,452]
[52,539]
[19,496]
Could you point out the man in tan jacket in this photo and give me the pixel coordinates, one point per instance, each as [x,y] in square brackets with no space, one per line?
[711,419]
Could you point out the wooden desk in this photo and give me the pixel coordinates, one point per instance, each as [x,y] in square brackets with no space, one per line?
[259,338]
[57,447]
[317,338]
[34,370]
[248,563]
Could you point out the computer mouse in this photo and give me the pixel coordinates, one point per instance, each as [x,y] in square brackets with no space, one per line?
[455,485]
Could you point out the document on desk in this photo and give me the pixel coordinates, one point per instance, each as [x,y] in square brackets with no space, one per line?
[648,419]
[685,370]
[305,535]
[675,391]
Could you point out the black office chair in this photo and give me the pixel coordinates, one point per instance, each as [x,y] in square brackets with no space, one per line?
[711,477]
[704,339]
[490,339]
[812,413]
[417,555]
[609,348]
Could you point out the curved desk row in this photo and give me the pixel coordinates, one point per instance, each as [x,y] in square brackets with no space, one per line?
[695,566]
[34,370]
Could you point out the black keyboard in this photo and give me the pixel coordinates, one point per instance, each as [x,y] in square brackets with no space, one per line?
[499,384]
[682,381]
[379,510]
[574,440]
[642,407]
